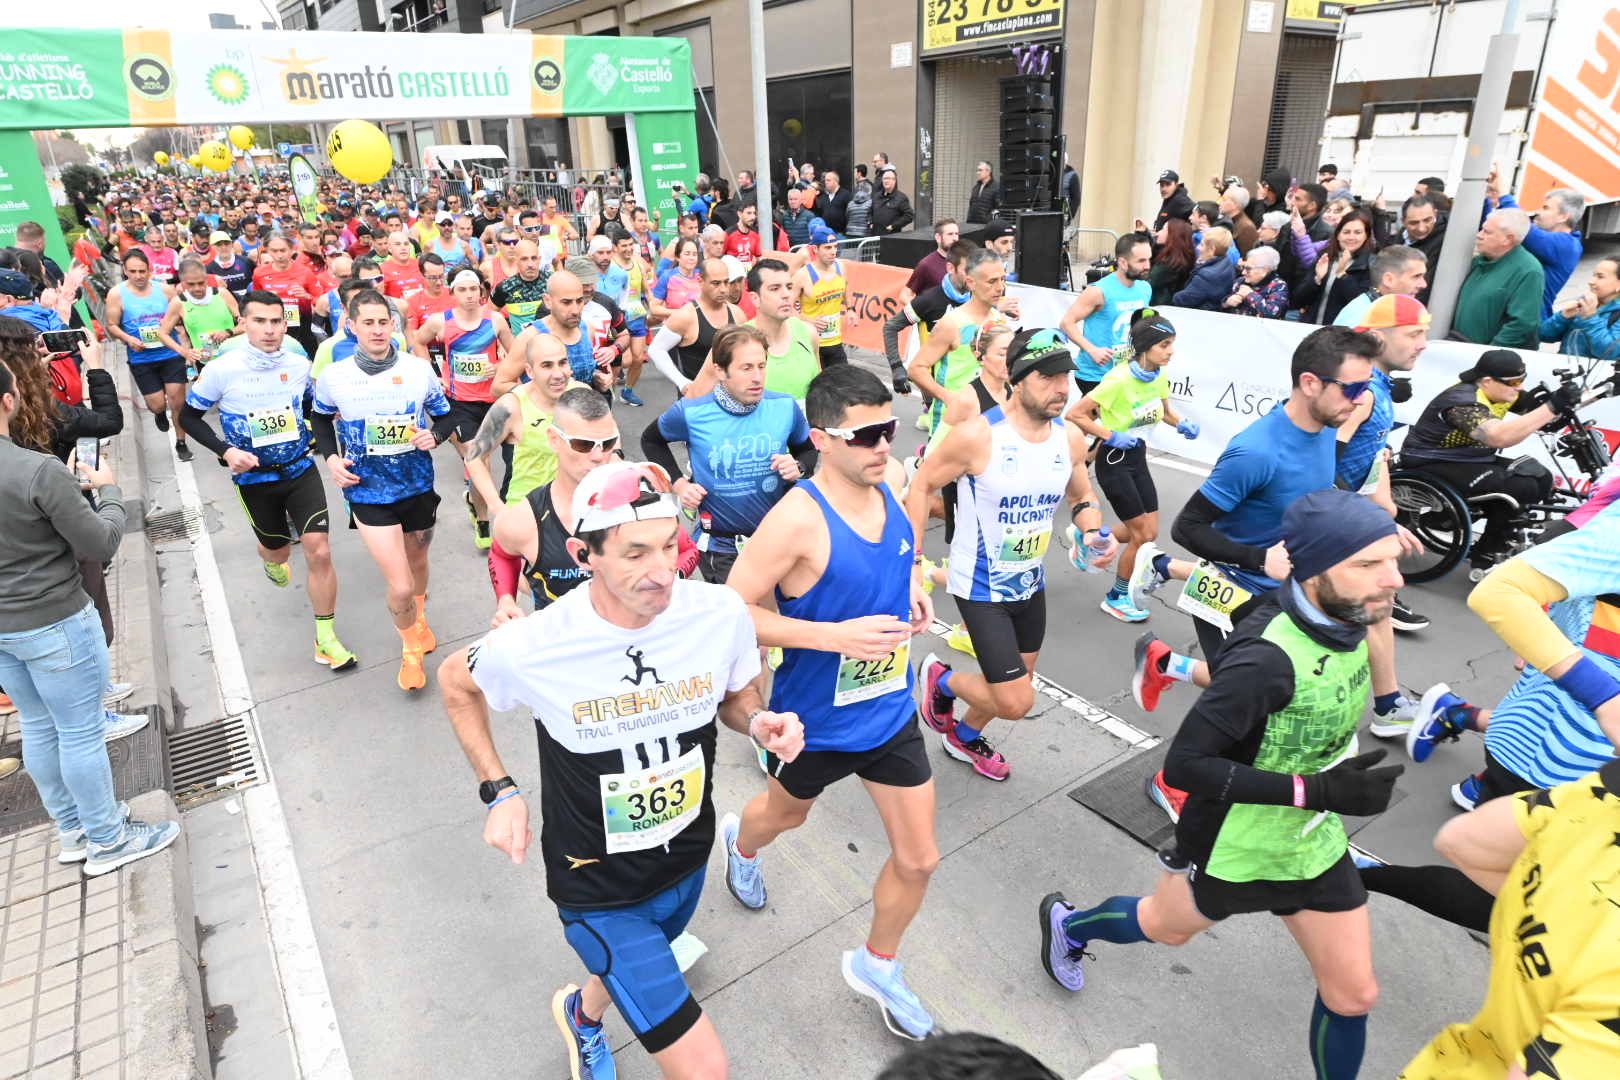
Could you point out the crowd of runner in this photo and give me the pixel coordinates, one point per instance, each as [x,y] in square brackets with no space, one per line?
[361,343]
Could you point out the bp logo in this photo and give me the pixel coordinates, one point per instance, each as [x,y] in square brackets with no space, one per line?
[603,75]
[548,76]
[150,77]
[227,84]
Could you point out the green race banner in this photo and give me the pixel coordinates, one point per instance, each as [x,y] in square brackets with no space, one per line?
[626,75]
[63,79]
[24,196]
[665,149]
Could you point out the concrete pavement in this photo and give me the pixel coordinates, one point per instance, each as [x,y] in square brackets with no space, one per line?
[441,957]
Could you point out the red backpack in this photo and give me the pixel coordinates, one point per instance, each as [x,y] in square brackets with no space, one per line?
[67,383]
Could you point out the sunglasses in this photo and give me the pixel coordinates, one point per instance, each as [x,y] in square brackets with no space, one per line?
[1517,380]
[866,436]
[587,446]
[1351,390]
[510,243]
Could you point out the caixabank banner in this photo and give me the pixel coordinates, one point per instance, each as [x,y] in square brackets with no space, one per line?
[141,78]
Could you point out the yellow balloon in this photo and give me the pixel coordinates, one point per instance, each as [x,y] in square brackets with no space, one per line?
[215,155]
[195,161]
[242,137]
[360,151]
[160,158]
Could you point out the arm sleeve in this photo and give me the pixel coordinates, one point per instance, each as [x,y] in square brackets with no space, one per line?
[1512,600]
[443,427]
[655,444]
[659,352]
[805,453]
[194,422]
[1254,680]
[1194,529]
[891,337]
[92,534]
[505,569]
[325,429]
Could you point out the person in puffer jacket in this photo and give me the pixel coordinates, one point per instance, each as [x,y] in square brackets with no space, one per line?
[1586,326]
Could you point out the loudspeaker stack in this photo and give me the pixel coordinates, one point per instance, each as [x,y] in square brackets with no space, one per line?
[1028,112]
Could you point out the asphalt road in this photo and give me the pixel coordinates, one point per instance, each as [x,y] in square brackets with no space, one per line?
[442,957]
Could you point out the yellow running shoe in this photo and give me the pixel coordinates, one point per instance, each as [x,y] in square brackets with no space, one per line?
[334,655]
[773,657]
[958,639]
[278,574]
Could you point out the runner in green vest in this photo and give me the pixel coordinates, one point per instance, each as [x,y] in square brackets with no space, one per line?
[947,361]
[1268,759]
[208,314]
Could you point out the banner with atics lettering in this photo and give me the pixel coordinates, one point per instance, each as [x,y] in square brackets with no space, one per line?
[94,78]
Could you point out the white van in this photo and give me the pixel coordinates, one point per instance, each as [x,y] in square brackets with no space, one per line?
[454,160]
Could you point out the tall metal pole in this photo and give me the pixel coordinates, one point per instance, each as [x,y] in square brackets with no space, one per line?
[762,124]
[1458,250]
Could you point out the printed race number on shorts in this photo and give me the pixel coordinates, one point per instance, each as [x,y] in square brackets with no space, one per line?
[649,808]
[1211,596]
[861,680]
[390,434]
[271,427]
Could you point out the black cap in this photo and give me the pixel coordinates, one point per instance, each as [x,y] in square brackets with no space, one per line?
[998,228]
[1044,350]
[1169,176]
[1495,363]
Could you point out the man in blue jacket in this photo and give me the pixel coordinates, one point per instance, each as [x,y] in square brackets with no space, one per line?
[1554,240]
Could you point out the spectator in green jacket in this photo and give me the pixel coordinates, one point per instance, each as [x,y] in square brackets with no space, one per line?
[1585,326]
[1500,302]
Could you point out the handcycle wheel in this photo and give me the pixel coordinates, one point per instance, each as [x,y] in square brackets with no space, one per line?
[1438,517]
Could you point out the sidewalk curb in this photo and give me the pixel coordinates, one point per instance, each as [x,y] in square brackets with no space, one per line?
[169,1038]
[138,559]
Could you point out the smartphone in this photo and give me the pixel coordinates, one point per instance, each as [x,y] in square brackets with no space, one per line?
[88,452]
[63,341]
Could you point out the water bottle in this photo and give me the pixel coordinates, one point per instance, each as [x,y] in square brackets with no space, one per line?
[1081,554]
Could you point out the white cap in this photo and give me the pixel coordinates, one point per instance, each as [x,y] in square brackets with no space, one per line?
[734,267]
[600,243]
[622,491]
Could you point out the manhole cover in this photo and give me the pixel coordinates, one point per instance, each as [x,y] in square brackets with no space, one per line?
[213,759]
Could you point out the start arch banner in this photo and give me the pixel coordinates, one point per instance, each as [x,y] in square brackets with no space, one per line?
[141,78]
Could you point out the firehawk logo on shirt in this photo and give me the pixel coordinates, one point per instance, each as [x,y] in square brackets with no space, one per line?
[632,704]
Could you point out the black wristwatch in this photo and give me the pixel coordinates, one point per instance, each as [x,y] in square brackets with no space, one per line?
[489,789]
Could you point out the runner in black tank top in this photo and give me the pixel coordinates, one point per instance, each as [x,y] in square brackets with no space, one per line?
[691,357]
[555,572]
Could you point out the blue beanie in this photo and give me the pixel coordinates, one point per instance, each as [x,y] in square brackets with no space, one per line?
[1324,528]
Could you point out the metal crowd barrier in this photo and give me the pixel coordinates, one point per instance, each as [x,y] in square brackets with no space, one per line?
[861,249]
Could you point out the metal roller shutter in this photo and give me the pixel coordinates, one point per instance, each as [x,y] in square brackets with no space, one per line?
[967,127]
[1304,76]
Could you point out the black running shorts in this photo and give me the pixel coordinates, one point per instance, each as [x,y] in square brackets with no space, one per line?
[1338,888]
[1125,481]
[1002,632]
[414,514]
[900,762]
[279,509]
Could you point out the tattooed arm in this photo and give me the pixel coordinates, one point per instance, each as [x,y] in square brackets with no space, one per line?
[495,430]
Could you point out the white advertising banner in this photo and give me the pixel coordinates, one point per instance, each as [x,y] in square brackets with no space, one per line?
[1230,369]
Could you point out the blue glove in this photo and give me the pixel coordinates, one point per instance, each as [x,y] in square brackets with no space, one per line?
[1119,440]
[1187,429]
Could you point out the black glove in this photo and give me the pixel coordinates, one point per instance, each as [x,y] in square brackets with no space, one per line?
[1566,397]
[902,385]
[1354,786]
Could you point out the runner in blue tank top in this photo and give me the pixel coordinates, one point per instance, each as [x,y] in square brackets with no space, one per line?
[1099,320]
[836,556]
[134,311]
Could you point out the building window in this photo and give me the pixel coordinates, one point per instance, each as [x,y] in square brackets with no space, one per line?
[492,6]
[418,15]
[326,5]
[811,120]
[311,20]
[547,141]
[708,145]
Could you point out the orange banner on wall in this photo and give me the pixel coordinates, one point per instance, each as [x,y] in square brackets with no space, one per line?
[872,298]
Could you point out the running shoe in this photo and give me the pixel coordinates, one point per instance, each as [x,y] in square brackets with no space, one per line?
[114,692]
[688,949]
[938,708]
[1396,723]
[335,656]
[589,1055]
[903,1013]
[629,397]
[1364,861]
[1131,1063]
[1431,726]
[121,725]
[959,640]
[773,657]
[1145,580]
[743,876]
[182,451]
[411,676]
[1149,679]
[74,846]
[425,637]
[911,464]
[978,753]
[1059,956]
[278,573]
[1466,792]
[928,566]
[472,514]
[1121,608]
[9,765]
[1406,620]
[922,420]
[137,840]
[481,535]
[162,420]
[763,756]
[1167,798]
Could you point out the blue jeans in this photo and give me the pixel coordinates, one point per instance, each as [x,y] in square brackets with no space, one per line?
[55,675]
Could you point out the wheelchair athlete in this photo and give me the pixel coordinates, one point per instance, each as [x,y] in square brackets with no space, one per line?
[1456,441]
